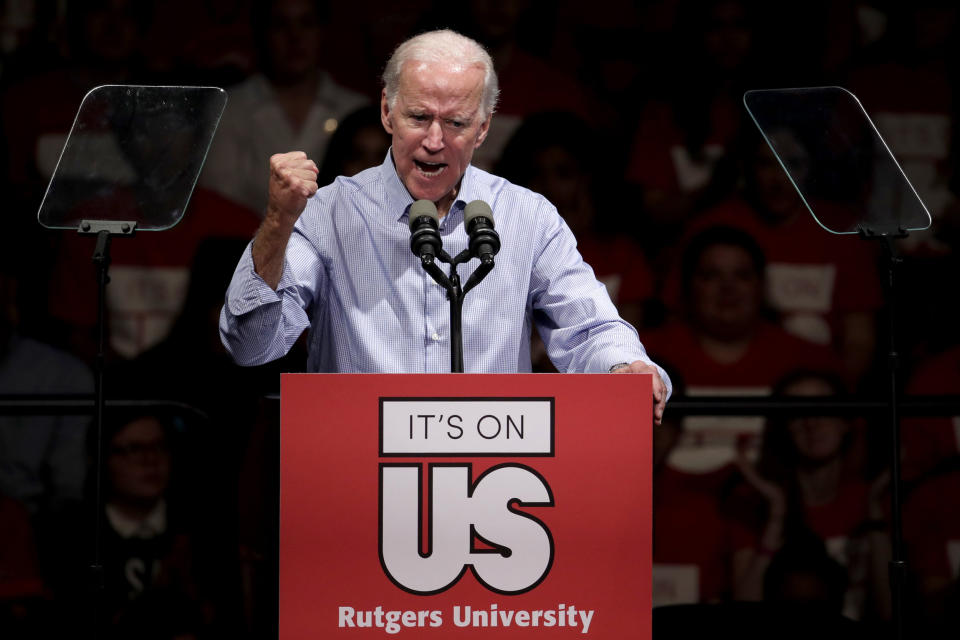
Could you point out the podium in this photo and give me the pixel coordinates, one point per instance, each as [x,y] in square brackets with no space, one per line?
[465,506]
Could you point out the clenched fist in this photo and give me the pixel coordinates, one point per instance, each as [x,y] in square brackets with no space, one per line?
[293,179]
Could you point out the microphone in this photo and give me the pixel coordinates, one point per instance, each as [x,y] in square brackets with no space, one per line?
[484,241]
[425,239]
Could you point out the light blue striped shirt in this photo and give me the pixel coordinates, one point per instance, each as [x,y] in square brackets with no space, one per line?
[350,277]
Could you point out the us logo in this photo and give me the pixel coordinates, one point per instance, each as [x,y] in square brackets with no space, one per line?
[440,518]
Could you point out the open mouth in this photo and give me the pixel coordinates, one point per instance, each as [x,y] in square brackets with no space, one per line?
[430,169]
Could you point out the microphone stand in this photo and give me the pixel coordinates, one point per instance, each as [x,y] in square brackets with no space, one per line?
[455,294]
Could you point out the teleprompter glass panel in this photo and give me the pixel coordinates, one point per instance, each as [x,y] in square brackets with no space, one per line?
[133,154]
[837,160]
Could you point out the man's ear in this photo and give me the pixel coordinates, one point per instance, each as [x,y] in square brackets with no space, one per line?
[385,115]
[482,133]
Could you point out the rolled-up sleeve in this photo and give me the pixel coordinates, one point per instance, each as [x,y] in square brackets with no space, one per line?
[258,324]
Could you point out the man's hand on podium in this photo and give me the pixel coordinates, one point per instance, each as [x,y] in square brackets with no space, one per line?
[659,389]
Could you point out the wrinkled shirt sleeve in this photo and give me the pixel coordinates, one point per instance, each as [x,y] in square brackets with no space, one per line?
[259,325]
[579,324]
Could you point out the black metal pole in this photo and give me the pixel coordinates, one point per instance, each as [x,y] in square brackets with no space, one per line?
[898,566]
[101,260]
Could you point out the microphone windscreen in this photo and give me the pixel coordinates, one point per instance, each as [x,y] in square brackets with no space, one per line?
[422,208]
[477,209]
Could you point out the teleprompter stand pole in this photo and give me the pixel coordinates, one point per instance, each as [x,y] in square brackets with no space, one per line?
[456,295]
[105,230]
[898,565]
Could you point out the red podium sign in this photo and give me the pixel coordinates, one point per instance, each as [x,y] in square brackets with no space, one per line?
[465,506]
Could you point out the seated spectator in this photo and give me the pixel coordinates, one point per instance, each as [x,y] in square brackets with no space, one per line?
[726,345]
[809,478]
[153,581]
[290,104]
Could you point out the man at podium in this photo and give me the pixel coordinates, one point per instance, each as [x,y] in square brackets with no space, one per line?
[337,259]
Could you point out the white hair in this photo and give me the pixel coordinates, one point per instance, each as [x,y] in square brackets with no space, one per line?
[443,46]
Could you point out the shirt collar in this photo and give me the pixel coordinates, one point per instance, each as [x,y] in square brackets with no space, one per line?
[399,199]
[153,525]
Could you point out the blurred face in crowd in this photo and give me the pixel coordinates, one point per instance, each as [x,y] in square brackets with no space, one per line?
[139,462]
[293,39]
[816,438]
[436,124]
[726,292]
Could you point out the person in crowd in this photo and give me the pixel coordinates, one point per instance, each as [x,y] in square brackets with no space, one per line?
[724,345]
[292,103]
[153,577]
[344,266]
[810,480]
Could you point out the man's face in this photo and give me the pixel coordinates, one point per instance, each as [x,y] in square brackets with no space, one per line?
[436,124]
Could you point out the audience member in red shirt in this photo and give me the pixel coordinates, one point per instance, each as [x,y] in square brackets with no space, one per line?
[809,479]
[725,345]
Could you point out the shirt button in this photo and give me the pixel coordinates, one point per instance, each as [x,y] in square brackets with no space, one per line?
[435,337]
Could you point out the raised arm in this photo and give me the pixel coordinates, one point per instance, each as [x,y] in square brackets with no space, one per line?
[293,179]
